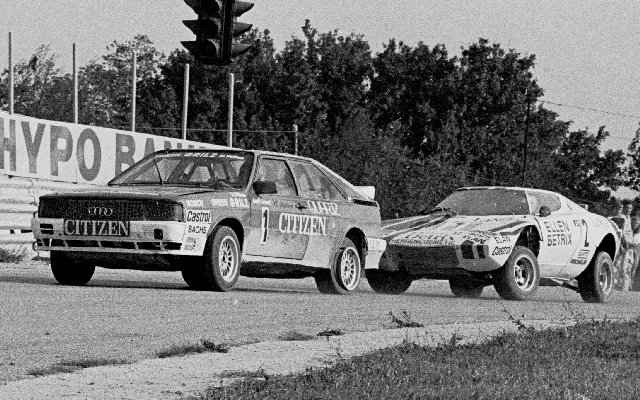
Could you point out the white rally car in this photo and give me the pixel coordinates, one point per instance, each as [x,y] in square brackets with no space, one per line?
[512,238]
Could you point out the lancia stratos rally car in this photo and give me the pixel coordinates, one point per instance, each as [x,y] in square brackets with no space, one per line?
[215,215]
[512,238]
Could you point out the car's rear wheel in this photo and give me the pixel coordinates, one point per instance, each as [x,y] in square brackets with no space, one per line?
[220,268]
[387,282]
[68,271]
[595,284]
[518,279]
[465,288]
[345,273]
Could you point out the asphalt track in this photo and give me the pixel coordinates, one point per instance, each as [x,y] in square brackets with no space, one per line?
[130,315]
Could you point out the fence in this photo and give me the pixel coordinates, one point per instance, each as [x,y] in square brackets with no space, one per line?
[39,156]
[19,200]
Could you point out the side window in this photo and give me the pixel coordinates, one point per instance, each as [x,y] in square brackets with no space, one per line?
[313,183]
[278,172]
[538,199]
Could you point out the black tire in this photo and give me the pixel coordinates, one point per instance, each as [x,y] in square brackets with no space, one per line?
[220,268]
[192,277]
[68,271]
[635,283]
[387,282]
[345,273]
[595,284]
[465,288]
[519,278]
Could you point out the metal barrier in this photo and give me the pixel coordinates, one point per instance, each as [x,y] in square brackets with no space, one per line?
[19,201]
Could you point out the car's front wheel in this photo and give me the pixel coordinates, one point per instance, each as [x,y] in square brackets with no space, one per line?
[192,277]
[465,288]
[387,282]
[68,271]
[518,279]
[220,268]
[345,273]
[595,284]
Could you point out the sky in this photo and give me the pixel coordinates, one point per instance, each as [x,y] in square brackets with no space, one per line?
[586,51]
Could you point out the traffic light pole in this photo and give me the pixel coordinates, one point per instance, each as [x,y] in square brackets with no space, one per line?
[230,119]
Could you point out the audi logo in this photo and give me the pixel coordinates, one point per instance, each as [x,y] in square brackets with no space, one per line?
[100,211]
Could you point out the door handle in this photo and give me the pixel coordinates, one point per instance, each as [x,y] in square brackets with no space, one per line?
[300,206]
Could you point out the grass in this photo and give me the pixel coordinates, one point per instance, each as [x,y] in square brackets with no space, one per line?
[74,365]
[403,321]
[294,335]
[202,347]
[13,255]
[592,360]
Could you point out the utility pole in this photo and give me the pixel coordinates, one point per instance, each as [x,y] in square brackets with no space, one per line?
[134,67]
[185,100]
[75,86]
[10,76]
[230,118]
[526,136]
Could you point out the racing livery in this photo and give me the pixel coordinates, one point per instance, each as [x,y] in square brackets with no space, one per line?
[513,238]
[215,215]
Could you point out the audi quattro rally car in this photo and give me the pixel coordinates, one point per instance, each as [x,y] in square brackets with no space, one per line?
[215,215]
[509,237]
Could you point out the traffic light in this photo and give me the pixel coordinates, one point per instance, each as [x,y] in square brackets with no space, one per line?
[215,30]
[232,28]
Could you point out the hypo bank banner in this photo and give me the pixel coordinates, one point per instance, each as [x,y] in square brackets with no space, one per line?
[60,151]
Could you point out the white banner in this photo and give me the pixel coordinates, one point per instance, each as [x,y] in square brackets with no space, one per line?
[67,152]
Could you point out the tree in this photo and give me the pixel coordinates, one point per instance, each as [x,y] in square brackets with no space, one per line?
[105,84]
[41,90]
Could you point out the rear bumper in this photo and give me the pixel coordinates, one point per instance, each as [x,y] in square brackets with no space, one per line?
[144,237]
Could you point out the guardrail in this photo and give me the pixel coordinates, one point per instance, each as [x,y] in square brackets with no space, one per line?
[19,201]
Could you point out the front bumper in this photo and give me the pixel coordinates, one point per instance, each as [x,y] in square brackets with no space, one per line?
[438,260]
[144,237]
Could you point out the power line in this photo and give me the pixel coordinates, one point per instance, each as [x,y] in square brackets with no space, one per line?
[591,109]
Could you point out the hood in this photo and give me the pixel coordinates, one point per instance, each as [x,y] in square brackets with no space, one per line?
[137,192]
[442,229]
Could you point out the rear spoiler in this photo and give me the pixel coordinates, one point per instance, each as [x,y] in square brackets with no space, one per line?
[367,191]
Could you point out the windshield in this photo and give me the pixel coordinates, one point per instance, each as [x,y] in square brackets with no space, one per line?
[486,202]
[206,168]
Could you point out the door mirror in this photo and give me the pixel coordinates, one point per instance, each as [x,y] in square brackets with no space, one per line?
[265,187]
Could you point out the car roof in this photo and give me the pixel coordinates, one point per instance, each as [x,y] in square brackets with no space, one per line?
[353,192]
[509,188]
[234,149]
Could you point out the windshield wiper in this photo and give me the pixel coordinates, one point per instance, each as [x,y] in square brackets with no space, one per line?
[444,210]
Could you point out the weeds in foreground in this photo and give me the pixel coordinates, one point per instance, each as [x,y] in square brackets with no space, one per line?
[516,321]
[74,365]
[537,364]
[331,332]
[294,335]
[13,256]
[403,321]
[202,347]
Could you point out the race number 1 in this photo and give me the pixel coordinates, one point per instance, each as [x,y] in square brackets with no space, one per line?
[264,225]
